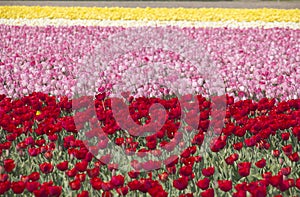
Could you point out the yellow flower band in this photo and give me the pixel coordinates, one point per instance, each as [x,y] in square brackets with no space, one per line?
[161,14]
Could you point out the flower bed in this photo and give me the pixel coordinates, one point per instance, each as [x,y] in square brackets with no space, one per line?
[63,123]
[40,142]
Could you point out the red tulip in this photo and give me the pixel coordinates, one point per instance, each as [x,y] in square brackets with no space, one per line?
[298,183]
[81,166]
[186,171]
[18,187]
[3,177]
[232,158]
[96,183]
[31,186]
[122,190]
[9,165]
[180,183]
[276,153]
[208,193]
[41,192]
[4,186]
[203,184]
[244,169]
[238,146]
[117,180]
[80,177]
[94,172]
[34,176]
[285,171]
[134,185]
[186,153]
[261,163]
[34,151]
[287,149]
[29,141]
[225,185]
[208,171]
[275,180]
[46,168]
[240,193]
[285,136]
[63,166]
[294,157]
[83,194]
[133,174]
[75,185]
[54,190]
[106,186]
[71,173]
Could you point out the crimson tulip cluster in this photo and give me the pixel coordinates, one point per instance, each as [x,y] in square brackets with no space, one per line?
[255,151]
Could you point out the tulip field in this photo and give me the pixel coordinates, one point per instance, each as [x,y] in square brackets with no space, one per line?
[149,102]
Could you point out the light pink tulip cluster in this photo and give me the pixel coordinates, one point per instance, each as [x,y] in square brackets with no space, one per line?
[252,62]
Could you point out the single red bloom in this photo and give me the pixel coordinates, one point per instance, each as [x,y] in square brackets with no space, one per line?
[80,177]
[241,186]
[208,193]
[32,186]
[71,173]
[81,166]
[18,187]
[238,146]
[261,163]
[133,174]
[4,186]
[203,184]
[186,153]
[54,190]
[298,183]
[240,193]
[208,171]
[41,192]
[225,185]
[9,165]
[96,183]
[294,157]
[244,169]
[232,158]
[276,153]
[34,176]
[284,185]
[122,190]
[75,185]
[83,194]
[285,171]
[275,180]
[3,177]
[186,171]
[287,149]
[34,151]
[291,182]
[117,180]
[134,185]
[63,166]
[180,183]
[93,172]
[46,168]
[285,136]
